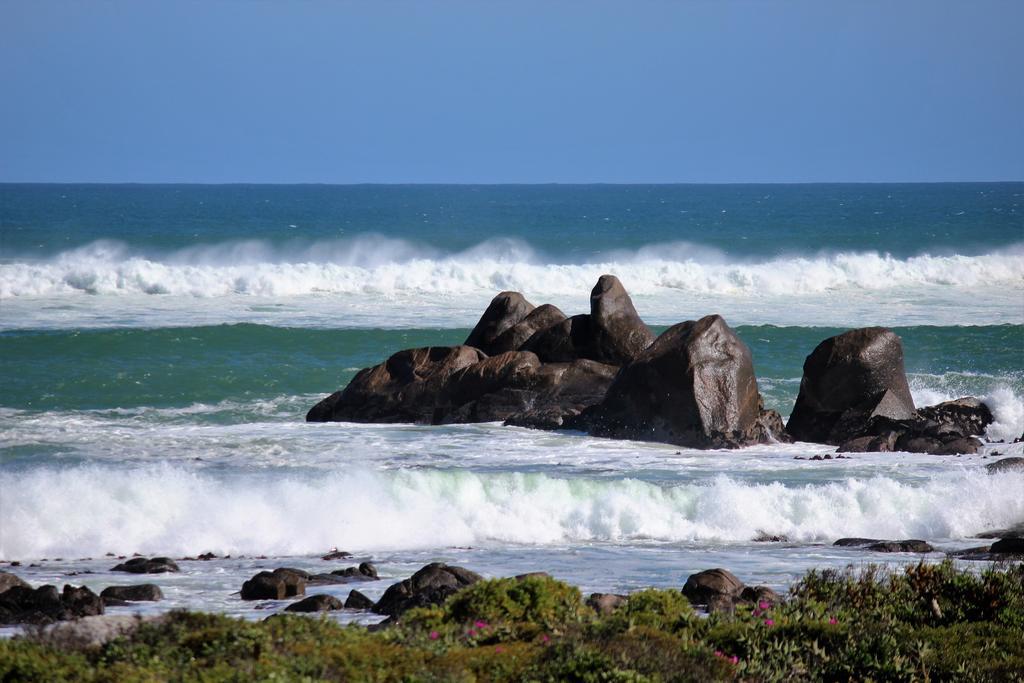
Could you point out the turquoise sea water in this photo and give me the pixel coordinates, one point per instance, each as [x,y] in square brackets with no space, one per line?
[159,346]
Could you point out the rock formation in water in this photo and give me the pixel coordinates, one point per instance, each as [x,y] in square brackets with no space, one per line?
[854,394]
[605,373]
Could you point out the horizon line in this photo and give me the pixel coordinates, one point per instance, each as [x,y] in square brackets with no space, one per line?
[506,184]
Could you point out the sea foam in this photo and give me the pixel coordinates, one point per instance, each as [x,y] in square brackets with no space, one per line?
[88,510]
[380,265]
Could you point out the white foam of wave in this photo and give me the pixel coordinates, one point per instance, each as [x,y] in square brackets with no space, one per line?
[390,267]
[87,510]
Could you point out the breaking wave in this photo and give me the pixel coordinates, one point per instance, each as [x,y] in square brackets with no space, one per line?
[86,510]
[376,264]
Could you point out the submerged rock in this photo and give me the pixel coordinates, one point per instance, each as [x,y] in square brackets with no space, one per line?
[907,546]
[315,603]
[1005,465]
[694,386]
[143,592]
[364,572]
[881,546]
[142,565]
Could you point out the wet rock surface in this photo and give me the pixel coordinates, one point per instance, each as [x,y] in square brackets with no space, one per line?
[910,545]
[431,585]
[694,386]
[315,603]
[605,373]
[275,585]
[22,604]
[143,592]
[703,586]
[1005,465]
[142,565]
[847,380]
[357,600]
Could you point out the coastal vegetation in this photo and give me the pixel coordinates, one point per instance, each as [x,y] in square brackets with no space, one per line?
[923,622]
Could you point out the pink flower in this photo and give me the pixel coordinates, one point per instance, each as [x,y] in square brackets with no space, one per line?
[544,639]
[718,653]
[470,633]
[481,624]
[434,635]
[833,620]
[734,659]
[499,649]
[769,622]
[755,612]
[763,605]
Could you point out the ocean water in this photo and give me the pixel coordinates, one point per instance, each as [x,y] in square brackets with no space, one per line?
[160,345]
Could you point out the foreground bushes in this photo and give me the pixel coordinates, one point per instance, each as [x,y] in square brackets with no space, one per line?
[928,622]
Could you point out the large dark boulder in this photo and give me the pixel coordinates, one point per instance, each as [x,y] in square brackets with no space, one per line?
[276,585]
[704,586]
[966,416]
[143,565]
[45,605]
[401,389]
[142,592]
[431,585]
[513,338]
[357,600]
[847,380]
[694,386]
[505,310]
[315,603]
[612,333]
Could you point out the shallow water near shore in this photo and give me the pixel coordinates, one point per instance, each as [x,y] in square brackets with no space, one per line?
[160,347]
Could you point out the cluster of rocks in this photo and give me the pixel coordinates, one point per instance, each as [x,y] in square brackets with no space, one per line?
[288,582]
[718,590]
[607,374]
[854,395]
[431,585]
[1009,546]
[602,372]
[20,603]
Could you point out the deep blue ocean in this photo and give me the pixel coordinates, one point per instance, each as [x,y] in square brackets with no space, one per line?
[160,345]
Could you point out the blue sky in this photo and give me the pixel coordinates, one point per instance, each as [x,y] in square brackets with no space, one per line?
[345,92]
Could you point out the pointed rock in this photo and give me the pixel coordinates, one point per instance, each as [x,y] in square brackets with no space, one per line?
[505,310]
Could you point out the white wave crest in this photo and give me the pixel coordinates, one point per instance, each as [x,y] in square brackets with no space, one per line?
[86,510]
[379,265]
